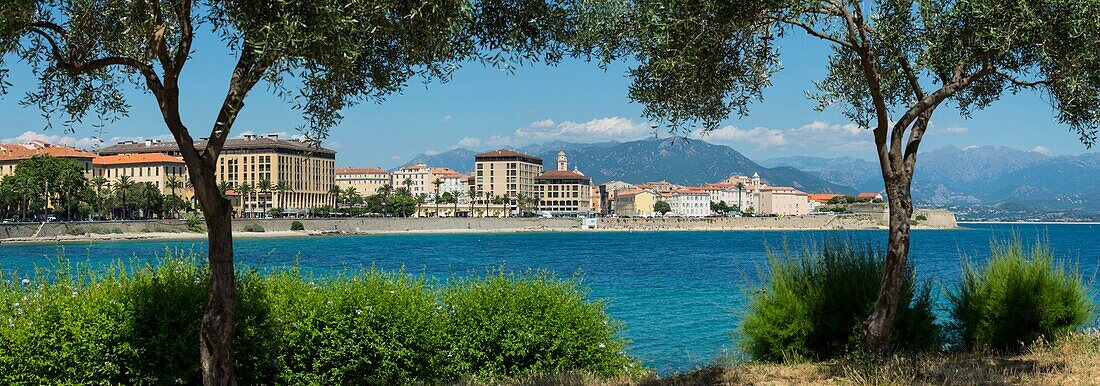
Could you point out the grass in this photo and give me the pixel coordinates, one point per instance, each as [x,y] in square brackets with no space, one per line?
[1071,360]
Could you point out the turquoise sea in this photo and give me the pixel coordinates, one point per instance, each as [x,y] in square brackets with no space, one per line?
[679,293]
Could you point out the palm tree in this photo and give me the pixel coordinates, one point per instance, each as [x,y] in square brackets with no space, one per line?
[740,188]
[245,191]
[497,200]
[437,183]
[282,188]
[99,182]
[454,200]
[121,185]
[224,187]
[385,190]
[420,200]
[335,191]
[263,187]
[350,196]
[472,194]
[173,183]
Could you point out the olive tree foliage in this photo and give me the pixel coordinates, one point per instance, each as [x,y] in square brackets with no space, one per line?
[320,56]
[893,63]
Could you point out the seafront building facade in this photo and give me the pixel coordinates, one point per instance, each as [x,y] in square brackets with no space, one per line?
[506,174]
[366,181]
[11,154]
[155,168]
[305,168]
[563,192]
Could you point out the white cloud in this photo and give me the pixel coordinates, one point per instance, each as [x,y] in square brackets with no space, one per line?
[1040,149]
[599,129]
[820,134]
[762,137]
[396,157]
[829,129]
[431,152]
[953,129]
[852,146]
[469,143]
[446,119]
[28,136]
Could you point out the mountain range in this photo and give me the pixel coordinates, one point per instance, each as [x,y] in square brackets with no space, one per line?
[677,160]
[978,175]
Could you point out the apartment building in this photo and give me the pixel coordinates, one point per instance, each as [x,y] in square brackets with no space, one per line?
[689,202]
[782,200]
[563,192]
[608,193]
[366,181]
[305,168]
[635,203]
[11,154]
[155,168]
[505,173]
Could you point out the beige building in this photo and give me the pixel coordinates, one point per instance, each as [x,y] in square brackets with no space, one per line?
[505,173]
[366,181]
[608,193]
[306,169]
[783,201]
[635,203]
[154,168]
[417,178]
[11,154]
[562,192]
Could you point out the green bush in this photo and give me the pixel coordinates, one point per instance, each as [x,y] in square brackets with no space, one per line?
[253,227]
[813,306]
[368,328]
[124,326]
[921,217]
[297,226]
[506,326]
[1019,297]
[139,324]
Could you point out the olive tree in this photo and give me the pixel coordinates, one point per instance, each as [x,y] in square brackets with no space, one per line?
[321,56]
[893,63]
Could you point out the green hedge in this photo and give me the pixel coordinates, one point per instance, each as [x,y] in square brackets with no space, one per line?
[812,306]
[1018,297]
[138,324]
[508,325]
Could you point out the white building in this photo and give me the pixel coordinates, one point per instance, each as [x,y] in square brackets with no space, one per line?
[690,202]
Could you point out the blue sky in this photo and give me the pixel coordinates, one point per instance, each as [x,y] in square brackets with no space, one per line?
[484,108]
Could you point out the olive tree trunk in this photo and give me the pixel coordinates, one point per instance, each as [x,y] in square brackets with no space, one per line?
[879,324]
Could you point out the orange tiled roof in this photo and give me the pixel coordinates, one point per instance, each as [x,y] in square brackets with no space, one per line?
[823,197]
[130,159]
[361,171]
[10,152]
[446,172]
[868,195]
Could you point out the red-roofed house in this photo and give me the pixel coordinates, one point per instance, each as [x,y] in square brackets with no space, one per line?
[563,192]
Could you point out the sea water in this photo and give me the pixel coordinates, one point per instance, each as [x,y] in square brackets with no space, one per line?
[679,293]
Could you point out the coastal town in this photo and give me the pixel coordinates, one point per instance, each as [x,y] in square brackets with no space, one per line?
[266,176]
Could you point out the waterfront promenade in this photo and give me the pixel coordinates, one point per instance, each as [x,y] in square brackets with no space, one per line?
[175,229]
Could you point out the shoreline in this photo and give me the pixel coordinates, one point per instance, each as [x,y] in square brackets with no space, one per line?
[531,226]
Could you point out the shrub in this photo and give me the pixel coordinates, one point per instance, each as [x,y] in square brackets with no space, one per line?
[139,324]
[297,226]
[1019,297]
[813,306]
[193,222]
[505,325]
[367,328]
[921,217]
[124,326]
[253,227]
